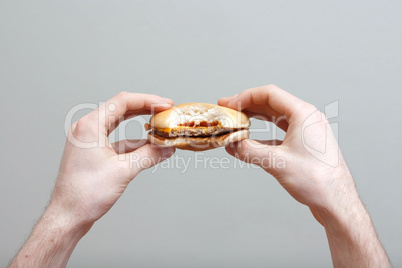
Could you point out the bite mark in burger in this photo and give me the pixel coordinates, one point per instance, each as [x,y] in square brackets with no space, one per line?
[197,127]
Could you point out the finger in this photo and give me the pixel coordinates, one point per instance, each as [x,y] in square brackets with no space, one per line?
[127,146]
[256,152]
[263,109]
[273,99]
[225,100]
[125,105]
[278,121]
[262,112]
[147,156]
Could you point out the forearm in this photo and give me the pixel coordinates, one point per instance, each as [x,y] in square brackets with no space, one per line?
[51,242]
[91,180]
[352,238]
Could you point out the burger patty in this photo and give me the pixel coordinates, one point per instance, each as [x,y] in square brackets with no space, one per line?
[192,132]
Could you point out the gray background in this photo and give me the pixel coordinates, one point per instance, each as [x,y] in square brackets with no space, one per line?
[55,55]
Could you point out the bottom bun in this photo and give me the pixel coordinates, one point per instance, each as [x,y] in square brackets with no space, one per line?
[199,144]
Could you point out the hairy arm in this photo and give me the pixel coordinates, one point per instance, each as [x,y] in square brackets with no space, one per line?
[351,235]
[51,243]
[93,175]
[315,173]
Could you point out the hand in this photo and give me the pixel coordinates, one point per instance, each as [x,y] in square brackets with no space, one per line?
[321,181]
[310,180]
[91,180]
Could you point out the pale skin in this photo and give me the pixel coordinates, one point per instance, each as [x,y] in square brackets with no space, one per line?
[91,180]
[328,190]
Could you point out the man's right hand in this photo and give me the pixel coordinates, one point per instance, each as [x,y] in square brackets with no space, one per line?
[320,180]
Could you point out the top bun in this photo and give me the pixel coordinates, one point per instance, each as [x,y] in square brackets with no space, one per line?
[197,113]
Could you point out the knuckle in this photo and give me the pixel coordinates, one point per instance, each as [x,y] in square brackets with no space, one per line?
[84,126]
[72,129]
[315,116]
[80,127]
[308,109]
[323,118]
[122,94]
[270,87]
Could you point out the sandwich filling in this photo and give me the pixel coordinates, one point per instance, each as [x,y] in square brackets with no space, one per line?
[191,129]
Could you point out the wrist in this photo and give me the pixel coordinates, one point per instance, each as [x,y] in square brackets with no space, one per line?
[340,214]
[351,235]
[70,224]
[338,201]
[51,242]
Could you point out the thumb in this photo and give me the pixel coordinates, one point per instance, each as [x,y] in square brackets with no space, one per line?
[262,153]
[224,101]
[147,156]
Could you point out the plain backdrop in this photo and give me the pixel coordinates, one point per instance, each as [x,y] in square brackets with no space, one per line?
[55,55]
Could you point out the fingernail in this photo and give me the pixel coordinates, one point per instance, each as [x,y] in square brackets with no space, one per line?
[231,97]
[230,103]
[165,104]
[163,98]
[167,100]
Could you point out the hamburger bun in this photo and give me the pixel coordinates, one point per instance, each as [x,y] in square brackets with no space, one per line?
[197,127]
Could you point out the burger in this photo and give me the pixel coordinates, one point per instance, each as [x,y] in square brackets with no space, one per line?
[197,127]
